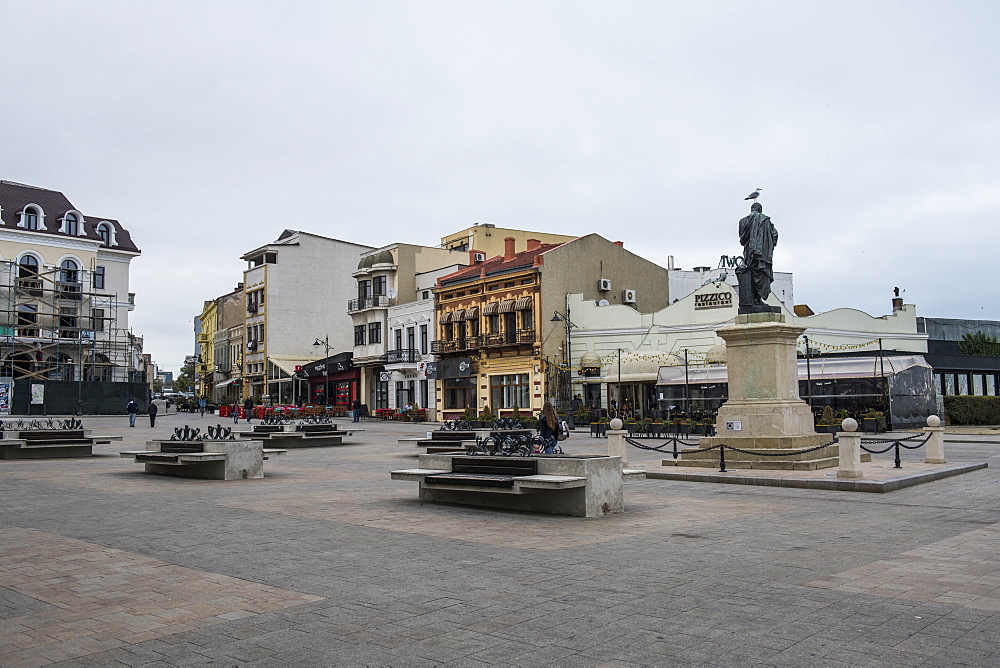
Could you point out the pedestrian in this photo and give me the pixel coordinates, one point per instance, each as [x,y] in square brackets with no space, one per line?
[548,428]
[132,408]
[166,407]
[202,402]
[357,409]
[152,413]
[235,412]
[248,408]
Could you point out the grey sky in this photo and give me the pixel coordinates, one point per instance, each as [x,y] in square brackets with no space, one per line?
[206,128]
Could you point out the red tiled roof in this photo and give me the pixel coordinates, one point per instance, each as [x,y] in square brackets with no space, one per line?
[15,196]
[497,264]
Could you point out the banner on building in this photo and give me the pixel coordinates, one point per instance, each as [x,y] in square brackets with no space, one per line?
[460,367]
[37,394]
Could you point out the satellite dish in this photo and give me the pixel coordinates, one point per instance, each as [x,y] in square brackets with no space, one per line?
[603,302]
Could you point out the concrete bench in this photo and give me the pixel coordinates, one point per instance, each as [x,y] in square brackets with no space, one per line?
[441,441]
[208,460]
[49,443]
[300,435]
[577,485]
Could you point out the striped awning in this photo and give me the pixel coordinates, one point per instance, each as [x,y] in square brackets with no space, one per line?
[522,303]
[506,306]
[491,308]
[471,312]
[446,316]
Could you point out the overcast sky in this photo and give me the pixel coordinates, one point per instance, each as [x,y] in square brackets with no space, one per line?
[207,128]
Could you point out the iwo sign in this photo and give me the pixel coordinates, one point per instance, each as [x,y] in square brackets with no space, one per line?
[708,300]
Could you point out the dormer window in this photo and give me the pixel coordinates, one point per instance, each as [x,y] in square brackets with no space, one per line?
[31,217]
[71,224]
[104,231]
[69,272]
[27,267]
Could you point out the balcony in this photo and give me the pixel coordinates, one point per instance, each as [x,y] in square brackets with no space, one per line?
[69,290]
[515,337]
[375,301]
[402,356]
[454,345]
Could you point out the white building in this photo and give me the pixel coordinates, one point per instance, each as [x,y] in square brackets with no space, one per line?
[295,288]
[64,303]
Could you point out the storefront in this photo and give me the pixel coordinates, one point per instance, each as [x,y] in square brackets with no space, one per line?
[333,381]
[456,385]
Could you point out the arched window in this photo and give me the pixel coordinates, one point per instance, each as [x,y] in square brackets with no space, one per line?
[30,218]
[104,231]
[27,267]
[69,271]
[99,368]
[60,368]
[17,366]
[71,224]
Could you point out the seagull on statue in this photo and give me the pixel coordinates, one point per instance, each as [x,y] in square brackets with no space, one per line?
[754,195]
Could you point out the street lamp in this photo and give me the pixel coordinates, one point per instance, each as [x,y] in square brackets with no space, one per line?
[326,371]
[568,351]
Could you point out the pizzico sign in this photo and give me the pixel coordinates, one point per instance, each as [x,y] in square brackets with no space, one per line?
[710,300]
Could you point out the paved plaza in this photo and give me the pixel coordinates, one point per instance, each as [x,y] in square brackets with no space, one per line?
[327,561]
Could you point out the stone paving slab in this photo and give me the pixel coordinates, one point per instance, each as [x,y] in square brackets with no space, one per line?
[326,561]
[877,477]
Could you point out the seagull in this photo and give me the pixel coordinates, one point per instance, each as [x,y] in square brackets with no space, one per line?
[754,195]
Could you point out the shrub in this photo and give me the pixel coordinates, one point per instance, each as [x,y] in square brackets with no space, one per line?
[826,417]
[973,410]
[486,413]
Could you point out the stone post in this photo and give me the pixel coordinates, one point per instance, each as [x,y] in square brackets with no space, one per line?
[616,441]
[935,444]
[850,450]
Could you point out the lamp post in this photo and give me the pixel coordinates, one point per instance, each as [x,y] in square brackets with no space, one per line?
[568,350]
[326,370]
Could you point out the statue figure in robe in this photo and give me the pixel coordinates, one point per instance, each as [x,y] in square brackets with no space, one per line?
[759,237]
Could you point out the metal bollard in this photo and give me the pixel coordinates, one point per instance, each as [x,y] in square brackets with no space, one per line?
[850,450]
[935,443]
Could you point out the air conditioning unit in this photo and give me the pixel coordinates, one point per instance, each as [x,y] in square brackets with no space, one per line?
[251,345]
[480,257]
[604,284]
[628,296]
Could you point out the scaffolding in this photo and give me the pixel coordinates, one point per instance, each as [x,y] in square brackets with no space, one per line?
[53,328]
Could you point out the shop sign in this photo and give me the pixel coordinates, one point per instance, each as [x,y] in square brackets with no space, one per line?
[710,300]
[734,425]
[460,367]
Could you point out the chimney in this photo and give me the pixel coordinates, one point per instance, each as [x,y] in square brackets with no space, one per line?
[620,244]
[897,304]
[508,249]
[533,244]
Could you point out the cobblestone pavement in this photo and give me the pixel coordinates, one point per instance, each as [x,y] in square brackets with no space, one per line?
[327,561]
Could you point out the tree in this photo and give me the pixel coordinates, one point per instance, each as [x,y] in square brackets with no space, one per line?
[182,382]
[979,343]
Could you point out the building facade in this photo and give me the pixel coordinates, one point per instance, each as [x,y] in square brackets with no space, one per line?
[294,288]
[64,306]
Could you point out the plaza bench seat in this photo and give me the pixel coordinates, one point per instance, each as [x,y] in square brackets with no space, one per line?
[300,436]
[211,460]
[49,443]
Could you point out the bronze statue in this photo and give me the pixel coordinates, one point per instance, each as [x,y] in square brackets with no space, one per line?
[759,237]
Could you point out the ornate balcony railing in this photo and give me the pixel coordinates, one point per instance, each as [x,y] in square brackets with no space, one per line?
[513,338]
[402,356]
[375,301]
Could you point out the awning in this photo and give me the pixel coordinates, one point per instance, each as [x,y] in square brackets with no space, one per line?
[228,381]
[288,364]
[522,303]
[491,308]
[507,306]
[470,313]
[446,317]
[819,368]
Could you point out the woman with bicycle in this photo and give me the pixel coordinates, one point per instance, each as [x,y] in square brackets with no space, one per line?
[548,428]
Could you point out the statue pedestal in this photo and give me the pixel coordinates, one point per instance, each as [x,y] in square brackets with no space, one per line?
[764,412]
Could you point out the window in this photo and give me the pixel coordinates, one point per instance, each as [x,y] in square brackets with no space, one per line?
[410,341]
[425,294]
[527,319]
[104,231]
[99,278]
[399,339]
[67,323]
[27,267]
[494,324]
[71,224]
[97,319]
[423,345]
[69,272]
[460,393]
[378,286]
[510,390]
[30,218]
[364,290]
[359,335]
[422,401]
[27,318]
[375,333]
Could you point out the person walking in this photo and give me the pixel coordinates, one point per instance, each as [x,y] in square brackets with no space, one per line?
[132,408]
[234,410]
[153,410]
[202,402]
[248,408]
[356,406]
[548,428]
